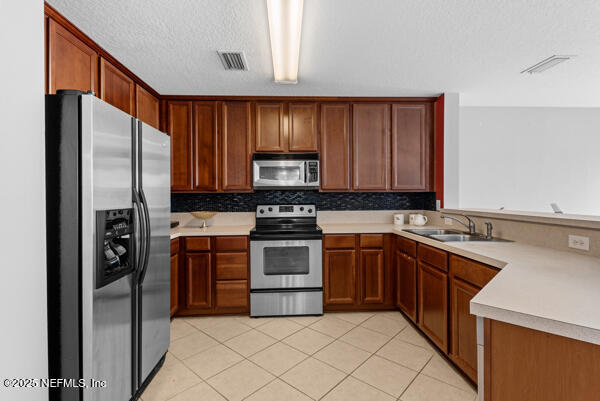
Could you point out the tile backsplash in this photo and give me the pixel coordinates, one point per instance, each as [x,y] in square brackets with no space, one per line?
[247,202]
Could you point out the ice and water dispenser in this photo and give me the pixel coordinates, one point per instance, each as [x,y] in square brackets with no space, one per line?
[114,245]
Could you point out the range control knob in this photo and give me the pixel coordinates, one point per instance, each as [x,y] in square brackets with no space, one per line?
[309,210]
[262,211]
[301,208]
[270,209]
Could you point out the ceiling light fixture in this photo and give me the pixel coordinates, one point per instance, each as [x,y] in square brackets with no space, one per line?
[285,27]
[547,64]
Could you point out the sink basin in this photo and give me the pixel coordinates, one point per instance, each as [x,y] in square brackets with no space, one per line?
[464,238]
[432,231]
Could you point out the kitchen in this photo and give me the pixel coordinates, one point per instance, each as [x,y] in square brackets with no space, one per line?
[349,220]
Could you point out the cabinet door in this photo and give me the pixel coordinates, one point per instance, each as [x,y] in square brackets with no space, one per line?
[339,276]
[406,284]
[199,277]
[236,147]
[231,294]
[335,147]
[180,129]
[71,63]
[174,283]
[205,146]
[463,350]
[371,147]
[116,88]
[433,304]
[372,276]
[270,134]
[411,139]
[146,107]
[303,132]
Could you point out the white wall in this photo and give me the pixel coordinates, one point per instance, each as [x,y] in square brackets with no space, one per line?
[451,150]
[23,340]
[524,158]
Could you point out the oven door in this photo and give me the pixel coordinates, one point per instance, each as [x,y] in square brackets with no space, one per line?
[281,264]
[279,173]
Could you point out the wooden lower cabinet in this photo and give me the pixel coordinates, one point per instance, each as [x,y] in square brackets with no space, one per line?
[199,280]
[433,304]
[231,294]
[463,349]
[406,284]
[339,277]
[372,275]
[174,286]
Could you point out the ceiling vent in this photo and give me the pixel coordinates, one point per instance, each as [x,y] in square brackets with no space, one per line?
[233,61]
[547,64]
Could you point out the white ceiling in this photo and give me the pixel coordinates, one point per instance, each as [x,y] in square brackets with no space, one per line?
[359,47]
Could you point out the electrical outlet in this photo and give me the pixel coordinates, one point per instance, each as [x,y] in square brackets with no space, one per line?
[448,222]
[579,242]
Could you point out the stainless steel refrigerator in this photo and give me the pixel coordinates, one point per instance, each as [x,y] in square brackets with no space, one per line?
[108,216]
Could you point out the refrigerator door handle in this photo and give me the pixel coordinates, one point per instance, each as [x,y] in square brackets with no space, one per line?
[142,220]
[147,234]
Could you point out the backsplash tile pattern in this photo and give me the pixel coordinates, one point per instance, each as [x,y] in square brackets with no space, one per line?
[226,202]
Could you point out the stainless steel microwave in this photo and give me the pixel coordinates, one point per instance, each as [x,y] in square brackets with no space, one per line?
[285,171]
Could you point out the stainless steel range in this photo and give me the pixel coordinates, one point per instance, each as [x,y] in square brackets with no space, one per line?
[286,276]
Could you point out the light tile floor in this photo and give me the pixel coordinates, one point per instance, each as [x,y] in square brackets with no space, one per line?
[340,356]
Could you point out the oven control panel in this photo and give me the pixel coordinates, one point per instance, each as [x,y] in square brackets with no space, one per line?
[286,211]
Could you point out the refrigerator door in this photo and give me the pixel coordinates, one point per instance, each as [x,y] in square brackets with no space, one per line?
[154,155]
[106,182]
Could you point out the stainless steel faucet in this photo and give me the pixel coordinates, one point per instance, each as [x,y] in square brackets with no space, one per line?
[470,226]
[489,229]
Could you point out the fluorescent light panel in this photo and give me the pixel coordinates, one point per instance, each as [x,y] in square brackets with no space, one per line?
[546,64]
[285,27]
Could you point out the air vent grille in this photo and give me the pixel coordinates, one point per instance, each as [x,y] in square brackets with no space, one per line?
[547,64]
[233,61]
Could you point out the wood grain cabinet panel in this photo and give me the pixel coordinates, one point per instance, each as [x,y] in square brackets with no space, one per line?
[146,107]
[332,241]
[180,130]
[231,265]
[199,281]
[205,144]
[411,140]
[303,131]
[116,88]
[372,274]
[335,147]
[71,63]
[339,276]
[236,149]
[174,284]
[433,256]
[371,147]
[463,349]
[406,284]
[231,243]
[433,304]
[231,294]
[270,128]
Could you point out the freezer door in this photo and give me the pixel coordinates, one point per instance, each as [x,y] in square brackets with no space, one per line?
[154,290]
[106,182]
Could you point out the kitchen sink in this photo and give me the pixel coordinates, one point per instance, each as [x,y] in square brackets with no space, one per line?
[454,236]
[432,231]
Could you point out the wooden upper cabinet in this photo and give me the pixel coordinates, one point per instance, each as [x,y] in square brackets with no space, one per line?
[270,128]
[116,88]
[71,63]
[335,147]
[205,153]
[236,148]
[371,147]
[146,107]
[303,129]
[411,140]
[180,130]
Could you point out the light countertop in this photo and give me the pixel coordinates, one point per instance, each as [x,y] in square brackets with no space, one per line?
[539,288]
[211,230]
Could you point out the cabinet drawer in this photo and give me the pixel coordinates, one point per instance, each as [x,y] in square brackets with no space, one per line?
[232,294]
[231,243]
[471,271]
[433,257]
[339,241]
[197,244]
[407,246]
[174,246]
[371,240]
[232,265]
